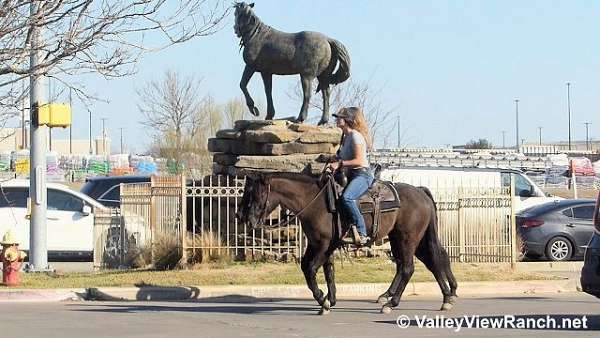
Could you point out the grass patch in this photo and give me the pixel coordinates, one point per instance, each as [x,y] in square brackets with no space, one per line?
[362,270]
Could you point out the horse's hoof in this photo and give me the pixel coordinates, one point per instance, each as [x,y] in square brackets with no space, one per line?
[254,111]
[386,309]
[323,311]
[382,300]
[446,307]
[326,304]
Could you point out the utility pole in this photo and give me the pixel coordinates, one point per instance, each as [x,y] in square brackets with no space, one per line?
[504,139]
[569,110]
[23,132]
[121,140]
[540,128]
[398,144]
[587,135]
[38,253]
[71,125]
[104,136]
[517,123]
[90,129]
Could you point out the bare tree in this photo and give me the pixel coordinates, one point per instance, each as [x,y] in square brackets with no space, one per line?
[360,94]
[171,109]
[105,37]
[234,110]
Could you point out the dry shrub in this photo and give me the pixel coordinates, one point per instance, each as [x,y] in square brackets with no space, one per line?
[164,254]
[202,252]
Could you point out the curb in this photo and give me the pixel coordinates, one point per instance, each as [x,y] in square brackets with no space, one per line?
[250,293]
[41,295]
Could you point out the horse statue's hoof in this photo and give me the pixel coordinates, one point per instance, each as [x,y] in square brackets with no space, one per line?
[322,122]
[254,111]
[386,309]
[325,308]
[446,307]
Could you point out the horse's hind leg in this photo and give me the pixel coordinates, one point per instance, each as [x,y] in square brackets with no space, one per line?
[405,267]
[384,297]
[268,82]
[329,271]
[246,76]
[434,261]
[306,91]
[312,260]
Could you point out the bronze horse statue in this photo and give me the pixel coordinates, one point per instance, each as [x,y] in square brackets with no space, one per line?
[269,51]
[411,229]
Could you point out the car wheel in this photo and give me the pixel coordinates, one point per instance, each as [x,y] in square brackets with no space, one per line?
[559,249]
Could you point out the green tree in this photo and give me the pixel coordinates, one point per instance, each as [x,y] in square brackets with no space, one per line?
[479,144]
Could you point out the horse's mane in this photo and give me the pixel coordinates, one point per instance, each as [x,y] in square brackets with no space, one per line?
[247,35]
[304,178]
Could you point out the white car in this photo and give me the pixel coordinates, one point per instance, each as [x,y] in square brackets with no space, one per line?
[70,219]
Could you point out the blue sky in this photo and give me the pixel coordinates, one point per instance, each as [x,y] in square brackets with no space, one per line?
[452,69]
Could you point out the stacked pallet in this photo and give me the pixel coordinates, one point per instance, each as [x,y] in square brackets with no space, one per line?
[272,146]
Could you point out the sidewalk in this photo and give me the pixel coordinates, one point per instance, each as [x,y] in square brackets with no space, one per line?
[569,271]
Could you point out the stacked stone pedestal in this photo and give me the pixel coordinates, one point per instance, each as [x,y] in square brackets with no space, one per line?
[272,146]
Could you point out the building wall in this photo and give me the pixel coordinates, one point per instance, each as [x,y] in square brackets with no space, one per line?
[11,139]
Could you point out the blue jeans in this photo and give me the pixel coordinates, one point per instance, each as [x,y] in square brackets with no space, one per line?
[358,185]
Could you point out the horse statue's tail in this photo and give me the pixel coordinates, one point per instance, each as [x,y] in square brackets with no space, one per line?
[339,54]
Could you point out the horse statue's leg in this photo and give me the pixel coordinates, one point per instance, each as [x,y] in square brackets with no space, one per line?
[246,76]
[325,117]
[306,81]
[311,262]
[268,82]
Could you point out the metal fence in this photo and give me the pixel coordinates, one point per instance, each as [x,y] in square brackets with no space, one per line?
[211,207]
[475,224]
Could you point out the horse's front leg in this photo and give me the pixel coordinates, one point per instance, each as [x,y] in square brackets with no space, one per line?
[306,91]
[246,76]
[311,262]
[329,271]
[268,82]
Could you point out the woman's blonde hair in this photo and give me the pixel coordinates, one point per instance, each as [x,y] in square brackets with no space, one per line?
[357,122]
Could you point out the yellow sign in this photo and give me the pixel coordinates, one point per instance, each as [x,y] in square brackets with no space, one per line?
[55,115]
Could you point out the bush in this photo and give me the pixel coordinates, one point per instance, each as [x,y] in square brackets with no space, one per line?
[201,251]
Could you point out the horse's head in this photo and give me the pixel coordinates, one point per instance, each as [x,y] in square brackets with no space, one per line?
[245,20]
[255,202]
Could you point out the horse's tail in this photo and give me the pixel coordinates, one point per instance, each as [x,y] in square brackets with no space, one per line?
[339,54]
[430,195]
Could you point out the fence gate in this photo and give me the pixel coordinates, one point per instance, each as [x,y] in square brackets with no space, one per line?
[474,225]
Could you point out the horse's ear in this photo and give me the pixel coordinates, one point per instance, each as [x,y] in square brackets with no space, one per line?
[251,5]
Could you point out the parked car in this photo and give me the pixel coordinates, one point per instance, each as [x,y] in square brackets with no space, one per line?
[557,230]
[107,190]
[70,221]
[590,273]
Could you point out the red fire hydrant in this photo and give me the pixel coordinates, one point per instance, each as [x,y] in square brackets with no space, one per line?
[11,258]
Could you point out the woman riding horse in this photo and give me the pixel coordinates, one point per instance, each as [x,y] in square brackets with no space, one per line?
[353,155]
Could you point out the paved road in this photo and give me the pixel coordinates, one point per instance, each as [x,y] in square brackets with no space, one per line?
[289,318]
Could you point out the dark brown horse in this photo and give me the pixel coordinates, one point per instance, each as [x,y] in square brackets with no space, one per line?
[411,231]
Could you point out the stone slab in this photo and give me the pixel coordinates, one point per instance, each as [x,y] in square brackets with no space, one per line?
[239,147]
[228,134]
[241,125]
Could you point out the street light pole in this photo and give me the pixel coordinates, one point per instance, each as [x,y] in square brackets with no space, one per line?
[569,110]
[398,144]
[517,123]
[540,128]
[104,136]
[90,130]
[38,252]
[121,140]
[504,139]
[587,135]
